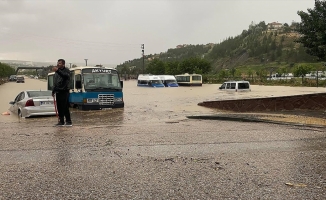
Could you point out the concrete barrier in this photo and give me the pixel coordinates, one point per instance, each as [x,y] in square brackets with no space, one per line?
[316,101]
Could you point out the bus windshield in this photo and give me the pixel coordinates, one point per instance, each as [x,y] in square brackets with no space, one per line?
[96,81]
[170,81]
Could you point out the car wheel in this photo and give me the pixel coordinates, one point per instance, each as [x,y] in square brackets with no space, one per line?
[20,113]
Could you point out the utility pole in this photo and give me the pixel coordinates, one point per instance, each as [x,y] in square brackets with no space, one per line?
[86,61]
[143,49]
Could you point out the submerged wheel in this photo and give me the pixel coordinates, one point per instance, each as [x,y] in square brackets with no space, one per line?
[20,113]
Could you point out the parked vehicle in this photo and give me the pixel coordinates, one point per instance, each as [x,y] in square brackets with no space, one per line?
[168,80]
[93,88]
[30,103]
[149,80]
[189,79]
[236,86]
[20,79]
[12,78]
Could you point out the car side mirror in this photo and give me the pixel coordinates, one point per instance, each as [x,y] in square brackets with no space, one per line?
[12,102]
[121,83]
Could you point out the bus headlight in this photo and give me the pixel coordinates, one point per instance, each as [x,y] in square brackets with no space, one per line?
[93,100]
[117,99]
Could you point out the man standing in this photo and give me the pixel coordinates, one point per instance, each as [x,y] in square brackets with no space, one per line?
[61,92]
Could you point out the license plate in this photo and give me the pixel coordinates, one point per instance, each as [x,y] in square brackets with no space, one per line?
[46,103]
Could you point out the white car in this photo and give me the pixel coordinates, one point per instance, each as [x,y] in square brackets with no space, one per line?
[30,103]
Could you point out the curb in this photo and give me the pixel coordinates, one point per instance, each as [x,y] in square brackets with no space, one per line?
[251,119]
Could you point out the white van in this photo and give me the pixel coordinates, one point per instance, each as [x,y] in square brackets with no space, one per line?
[236,86]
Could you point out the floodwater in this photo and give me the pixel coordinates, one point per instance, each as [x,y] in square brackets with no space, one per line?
[147,105]
[141,104]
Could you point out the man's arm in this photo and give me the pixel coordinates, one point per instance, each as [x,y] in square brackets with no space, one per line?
[64,73]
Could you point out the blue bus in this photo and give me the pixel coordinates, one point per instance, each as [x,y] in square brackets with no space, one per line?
[93,88]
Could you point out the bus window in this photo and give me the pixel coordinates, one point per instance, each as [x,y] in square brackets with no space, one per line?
[72,80]
[196,78]
[78,81]
[50,82]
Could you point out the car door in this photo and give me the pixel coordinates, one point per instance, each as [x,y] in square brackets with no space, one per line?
[14,107]
[21,101]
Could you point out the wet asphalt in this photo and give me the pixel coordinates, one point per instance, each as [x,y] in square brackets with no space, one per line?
[151,150]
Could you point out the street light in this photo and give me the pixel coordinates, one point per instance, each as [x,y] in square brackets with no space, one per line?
[86,61]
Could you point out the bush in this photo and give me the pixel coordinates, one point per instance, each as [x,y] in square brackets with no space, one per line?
[6,70]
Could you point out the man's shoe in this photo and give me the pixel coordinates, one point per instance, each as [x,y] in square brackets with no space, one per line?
[68,124]
[60,124]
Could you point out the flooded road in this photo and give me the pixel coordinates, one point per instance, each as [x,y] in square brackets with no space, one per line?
[144,105]
[150,150]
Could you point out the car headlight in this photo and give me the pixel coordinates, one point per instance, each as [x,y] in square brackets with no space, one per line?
[92,100]
[117,99]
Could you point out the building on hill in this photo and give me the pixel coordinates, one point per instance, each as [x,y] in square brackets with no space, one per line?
[274,26]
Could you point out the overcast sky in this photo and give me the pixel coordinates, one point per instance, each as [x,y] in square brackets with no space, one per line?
[112,31]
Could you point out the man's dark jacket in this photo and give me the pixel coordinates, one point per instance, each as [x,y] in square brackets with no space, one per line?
[61,80]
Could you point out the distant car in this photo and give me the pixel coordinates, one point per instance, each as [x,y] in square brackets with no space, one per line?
[236,86]
[12,78]
[30,103]
[20,79]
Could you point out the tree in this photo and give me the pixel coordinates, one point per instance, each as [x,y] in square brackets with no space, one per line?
[6,70]
[223,74]
[250,74]
[302,70]
[156,66]
[313,30]
[233,72]
[172,68]
[286,28]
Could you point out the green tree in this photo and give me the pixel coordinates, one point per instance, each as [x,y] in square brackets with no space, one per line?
[156,66]
[171,68]
[302,70]
[6,70]
[313,30]
[250,74]
[233,72]
[223,74]
[194,65]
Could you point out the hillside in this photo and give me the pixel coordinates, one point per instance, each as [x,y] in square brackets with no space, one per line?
[259,47]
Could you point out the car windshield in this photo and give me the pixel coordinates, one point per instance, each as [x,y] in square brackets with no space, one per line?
[101,80]
[39,93]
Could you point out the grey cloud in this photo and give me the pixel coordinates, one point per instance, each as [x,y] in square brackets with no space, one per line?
[108,31]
